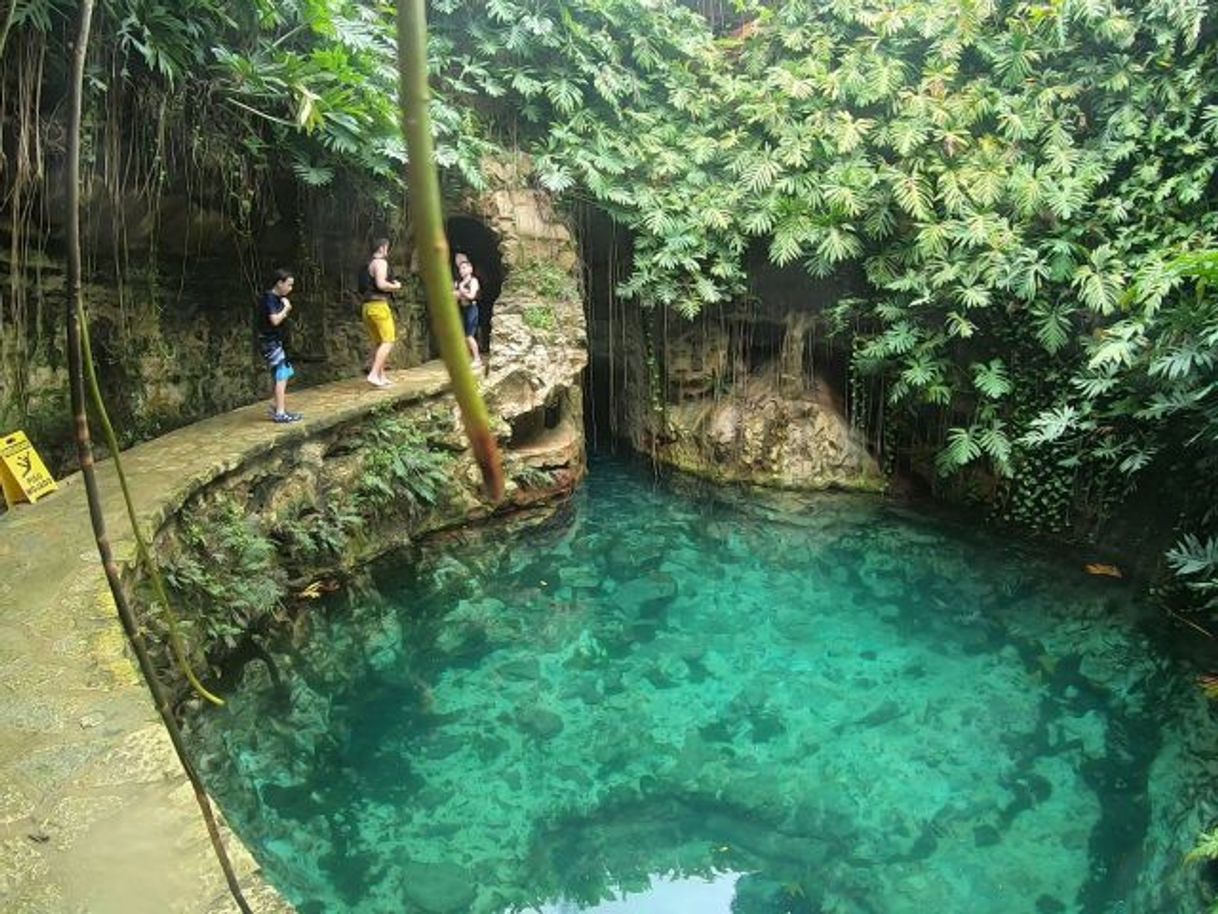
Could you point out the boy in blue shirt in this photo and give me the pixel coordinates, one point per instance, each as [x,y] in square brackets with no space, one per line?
[273,310]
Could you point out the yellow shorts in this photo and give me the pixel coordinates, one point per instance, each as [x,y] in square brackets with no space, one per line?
[379,319]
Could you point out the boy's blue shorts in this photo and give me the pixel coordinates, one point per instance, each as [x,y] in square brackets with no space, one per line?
[469,319]
[276,359]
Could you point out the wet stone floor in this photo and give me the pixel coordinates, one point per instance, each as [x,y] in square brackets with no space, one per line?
[671,698]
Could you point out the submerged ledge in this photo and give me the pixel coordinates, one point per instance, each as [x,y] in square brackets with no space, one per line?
[95,812]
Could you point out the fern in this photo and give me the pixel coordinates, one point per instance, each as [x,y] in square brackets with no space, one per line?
[993,441]
[312,175]
[1101,281]
[1051,425]
[1052,325]
[991,379]
[962,449]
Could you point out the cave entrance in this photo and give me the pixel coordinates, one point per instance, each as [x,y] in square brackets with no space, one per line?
[480,244]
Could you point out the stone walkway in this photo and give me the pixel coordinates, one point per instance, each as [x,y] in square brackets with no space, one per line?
[95,813]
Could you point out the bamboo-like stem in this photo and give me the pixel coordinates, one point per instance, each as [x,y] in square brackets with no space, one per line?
[143,553]
[84,451]
[431,242]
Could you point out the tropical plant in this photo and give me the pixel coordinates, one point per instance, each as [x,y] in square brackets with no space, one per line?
[1147,398]
[401,464]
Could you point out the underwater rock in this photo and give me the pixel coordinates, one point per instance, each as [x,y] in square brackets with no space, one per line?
[692,653]
[525,669]
[608,753]
[585,652]
[585,690]
[481,609]
[654,591]
[694,757]
[1085,732]
[611,682]
[754,797]
[753,697]
[574,774]
[443,746]
[629,558]
[888,711]
[539,722]
[437,888]
[488,746]
[291,801]
[766,726]
[888,612]
[579,576]
[986,836]
[457,640]
[666,673]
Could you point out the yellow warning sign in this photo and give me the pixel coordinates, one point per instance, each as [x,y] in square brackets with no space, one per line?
[22,472]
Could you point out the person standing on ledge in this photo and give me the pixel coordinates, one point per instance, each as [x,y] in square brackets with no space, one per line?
[376,287]
[273,310]
[468,289]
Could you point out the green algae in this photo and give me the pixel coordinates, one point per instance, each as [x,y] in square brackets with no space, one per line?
[812,703]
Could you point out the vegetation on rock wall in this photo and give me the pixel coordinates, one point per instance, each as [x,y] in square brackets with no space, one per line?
[233,559]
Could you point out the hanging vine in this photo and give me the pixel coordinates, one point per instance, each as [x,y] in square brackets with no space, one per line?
[75,320]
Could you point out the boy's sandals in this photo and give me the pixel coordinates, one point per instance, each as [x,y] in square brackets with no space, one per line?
[282,418]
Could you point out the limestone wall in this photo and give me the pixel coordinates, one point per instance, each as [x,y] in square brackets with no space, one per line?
[738,396]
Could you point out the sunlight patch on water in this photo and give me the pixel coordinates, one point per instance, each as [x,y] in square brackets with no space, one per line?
[664,896]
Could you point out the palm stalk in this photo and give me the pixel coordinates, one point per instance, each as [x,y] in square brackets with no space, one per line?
[431,242]
[84,451]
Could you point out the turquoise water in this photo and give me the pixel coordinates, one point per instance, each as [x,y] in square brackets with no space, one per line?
[675,699]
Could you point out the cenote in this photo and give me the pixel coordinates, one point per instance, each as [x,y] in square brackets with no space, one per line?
[675,698]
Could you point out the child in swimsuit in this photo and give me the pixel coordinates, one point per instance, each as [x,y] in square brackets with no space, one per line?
[467,289]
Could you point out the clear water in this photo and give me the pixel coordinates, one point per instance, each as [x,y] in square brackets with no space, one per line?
[676,699]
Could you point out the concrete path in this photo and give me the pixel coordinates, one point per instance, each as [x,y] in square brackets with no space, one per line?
[95,813]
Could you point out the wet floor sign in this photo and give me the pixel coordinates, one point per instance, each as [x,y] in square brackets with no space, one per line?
[22,472]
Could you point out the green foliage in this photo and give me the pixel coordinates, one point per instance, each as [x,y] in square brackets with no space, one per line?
[399,464]
[313,537]
[1206,848]
[532,478]
[540,317]
[1195,562]
[223,576]
[544,278]
[1145,394]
